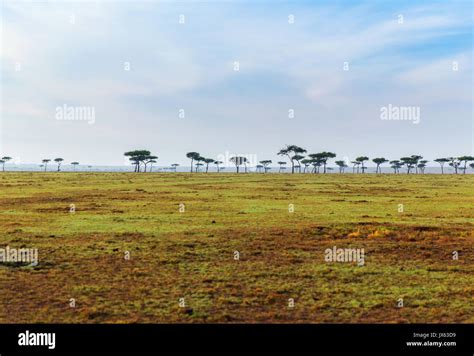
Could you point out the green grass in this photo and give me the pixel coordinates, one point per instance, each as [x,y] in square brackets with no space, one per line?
[190,255]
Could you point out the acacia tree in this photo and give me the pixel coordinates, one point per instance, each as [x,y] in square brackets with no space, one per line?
[461,159]
[151,161]
[238,161]
[342,165]
[290,151]
[415,160]
[472,165]
[217,163]
[441,162]
[74,164]
[454,162]
[207,161]
[355,165]
[58,162]
[361,160]
[193,157]
[316,162]
[148,159]
[265,164]
[396,165]
[281,163]
[45,162]
[378,162]
[323,158]
[3,161]
[199,159]
[174,165]
[422,165]
[298,158]
[139,157]
[259,167]
[409,162]
[306,163]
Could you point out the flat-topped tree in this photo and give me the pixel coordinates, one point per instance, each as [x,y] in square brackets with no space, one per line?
[461,159]
[323,157]
[361,160]
[409,162]
[45,162]
[207,161]
[3,161]
[59,161]
[396,165]
[265,163]
[217,163]
[175,165]
[422,165]
[416,159]
[291,151]
[306,162]
[192,156]
[138,157]
[455,163]
[199,159]
[342,165]
[355,164]
[441,162]
[238,161]
[74,164]
[281,163]
[151,161]
[259,167]
[378,162]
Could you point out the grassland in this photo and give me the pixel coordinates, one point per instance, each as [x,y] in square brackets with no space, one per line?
[190,254]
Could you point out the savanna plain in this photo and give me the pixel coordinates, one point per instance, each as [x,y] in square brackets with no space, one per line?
[132,246]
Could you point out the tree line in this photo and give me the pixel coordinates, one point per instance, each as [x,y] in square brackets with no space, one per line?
[298,158]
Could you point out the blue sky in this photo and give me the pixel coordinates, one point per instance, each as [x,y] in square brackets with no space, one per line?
[190,66]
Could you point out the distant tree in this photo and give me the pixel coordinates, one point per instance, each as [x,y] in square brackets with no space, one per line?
[415,160]
[198,166]
[151,161]
[281,163]
[378,162]
[409,162]
[259,168]
[461,159]
[207,161]
[422,165]
[396,165]
[455,163]
[217,163]
[355,164]
[298,158]
[74,164]
[3,161]
[238,161]
[323,158]
[472,165]
[441,162]
[306,163]
[45,162]
[147,160]
[265,164]
[199,159]
[342,165]
[90,168]
[58,162]
[175,165]
[362,159]
[139,157]
[291,151]
[192,156]
[316,162]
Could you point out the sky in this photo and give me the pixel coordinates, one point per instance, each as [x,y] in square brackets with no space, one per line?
[235,77]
